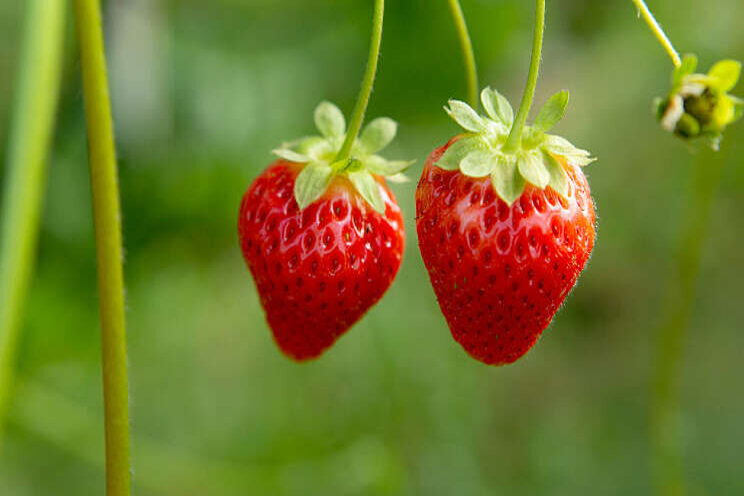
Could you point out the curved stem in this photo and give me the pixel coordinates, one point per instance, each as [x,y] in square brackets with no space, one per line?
[515,136]
[468,55]
[107,219]
[644,12]
[664,412]
[357,117]
[30,142]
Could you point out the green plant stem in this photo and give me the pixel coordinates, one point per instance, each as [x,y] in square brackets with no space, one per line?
[107,219]
[357,116]
[644,12]
[515,136]
[664,412]
[30,141]
[468,54]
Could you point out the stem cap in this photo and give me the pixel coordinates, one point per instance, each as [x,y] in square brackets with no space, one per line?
[318,155]
[537,160]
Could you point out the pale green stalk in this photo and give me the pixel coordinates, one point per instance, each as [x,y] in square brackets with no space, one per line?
[357,116]
[515,136]
[28,153]
[107,220]
[647,16]
[468,55]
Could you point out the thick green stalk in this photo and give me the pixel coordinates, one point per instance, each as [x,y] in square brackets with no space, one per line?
[357,116]
[30,142]
[515,136]
[107,219]
[468,55]
[644,12]
[664,414]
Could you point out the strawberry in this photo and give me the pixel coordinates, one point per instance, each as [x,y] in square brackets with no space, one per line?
[504,233]
[323,239]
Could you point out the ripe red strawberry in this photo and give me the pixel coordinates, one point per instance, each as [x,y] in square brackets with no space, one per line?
[503,235]
[323,240]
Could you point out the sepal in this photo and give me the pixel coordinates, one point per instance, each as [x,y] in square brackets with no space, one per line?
[318,155]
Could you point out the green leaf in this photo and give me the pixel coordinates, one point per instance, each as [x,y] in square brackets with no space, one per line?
[465,116]
[311,183]
[291,156]
[533,169]
[563,148]
[724,112]
[558,178]
[458,151]
[507,181]
[369,188]
[380,166]
[378,134]
[497,106]
[725,74]
[315,147]
[688,66]
[551,113]
[330,120]
[399,179]
[479,163]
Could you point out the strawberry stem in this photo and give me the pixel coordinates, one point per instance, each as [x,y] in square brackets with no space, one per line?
[107,220]
[468,55]
[357,117]
[28,153]
[643,11]
[514,142]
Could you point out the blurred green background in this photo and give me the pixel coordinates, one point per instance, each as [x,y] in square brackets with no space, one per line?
[201,92]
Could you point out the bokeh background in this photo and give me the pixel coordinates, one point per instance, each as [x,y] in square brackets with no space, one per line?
[201,92]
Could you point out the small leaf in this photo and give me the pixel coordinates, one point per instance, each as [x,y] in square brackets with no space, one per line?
[378,134]
[688,66]
[369,188]
[724,112]
[465,116]
[479,164]
[458,151]
[330,120]
[507,181]
[291,156]
[725,75]
[311,183]
[533,169]
[563,148]
[380,166]
[558,178]
[551,113]
[315,147]
[504,109]
[399,179]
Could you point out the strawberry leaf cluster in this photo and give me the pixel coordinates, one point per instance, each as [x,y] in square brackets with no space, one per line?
[319,155]
[699,105]
[482,150]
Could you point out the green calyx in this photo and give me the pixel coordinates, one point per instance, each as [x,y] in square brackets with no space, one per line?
[319,156]
[699,105]
[538,159]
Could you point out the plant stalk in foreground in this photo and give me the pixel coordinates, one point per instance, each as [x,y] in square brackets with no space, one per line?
[30,143]
[107,219]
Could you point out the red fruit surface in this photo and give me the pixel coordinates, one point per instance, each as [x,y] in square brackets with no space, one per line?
[501,273]
[318,270]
